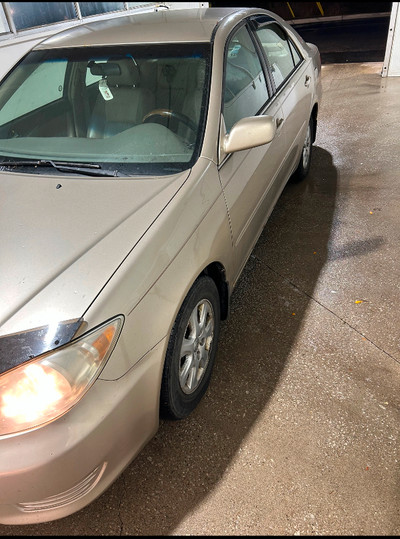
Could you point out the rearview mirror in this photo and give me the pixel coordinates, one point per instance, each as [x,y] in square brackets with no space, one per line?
[249,133]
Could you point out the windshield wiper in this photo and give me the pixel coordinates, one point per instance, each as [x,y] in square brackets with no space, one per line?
[89,169]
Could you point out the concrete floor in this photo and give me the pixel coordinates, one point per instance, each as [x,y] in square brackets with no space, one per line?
[299,432]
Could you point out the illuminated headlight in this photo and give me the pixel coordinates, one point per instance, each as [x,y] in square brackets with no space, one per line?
[43,389]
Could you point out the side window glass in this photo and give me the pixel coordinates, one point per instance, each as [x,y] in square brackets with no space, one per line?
[245,90]
[282,55]
[25,99]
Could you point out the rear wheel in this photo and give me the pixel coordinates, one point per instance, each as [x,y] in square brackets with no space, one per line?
[191,351]
[303,167]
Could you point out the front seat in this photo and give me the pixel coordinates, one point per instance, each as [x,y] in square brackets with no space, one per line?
[121,102]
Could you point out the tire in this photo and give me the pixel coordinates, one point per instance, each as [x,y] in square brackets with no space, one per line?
[191,351]
[303,167]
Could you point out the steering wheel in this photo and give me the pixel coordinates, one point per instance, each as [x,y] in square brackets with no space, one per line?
[167,113]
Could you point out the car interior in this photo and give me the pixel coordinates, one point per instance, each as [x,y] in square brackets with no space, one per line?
[108,96]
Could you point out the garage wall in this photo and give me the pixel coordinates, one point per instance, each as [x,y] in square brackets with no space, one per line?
[391,63]
[16,41]
[314,11]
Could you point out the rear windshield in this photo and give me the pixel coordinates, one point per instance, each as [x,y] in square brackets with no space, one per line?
[139,109]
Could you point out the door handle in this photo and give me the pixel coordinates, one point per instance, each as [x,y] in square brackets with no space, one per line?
[307,81]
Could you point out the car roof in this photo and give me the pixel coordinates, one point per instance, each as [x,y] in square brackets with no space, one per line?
[173,25]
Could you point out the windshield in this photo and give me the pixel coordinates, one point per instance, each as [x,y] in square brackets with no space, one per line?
[139,109]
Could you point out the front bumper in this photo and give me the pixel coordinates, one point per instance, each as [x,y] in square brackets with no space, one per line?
[58,469]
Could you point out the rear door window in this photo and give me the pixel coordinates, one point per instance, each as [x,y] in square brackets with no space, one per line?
[281,53]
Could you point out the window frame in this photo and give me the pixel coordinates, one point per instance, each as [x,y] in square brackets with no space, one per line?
[129,169]
[259,26]
[261,58]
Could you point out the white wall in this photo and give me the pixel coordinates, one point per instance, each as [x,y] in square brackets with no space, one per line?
[12,50]
[391,63]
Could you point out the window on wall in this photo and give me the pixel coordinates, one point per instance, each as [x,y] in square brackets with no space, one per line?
[33,14]
[4,28]
[281,53]
[25,15]
[96,8]
[130,5]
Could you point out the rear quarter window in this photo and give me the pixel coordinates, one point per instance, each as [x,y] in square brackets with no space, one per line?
[282,55]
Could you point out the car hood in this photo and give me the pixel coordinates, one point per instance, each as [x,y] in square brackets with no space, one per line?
[63,237]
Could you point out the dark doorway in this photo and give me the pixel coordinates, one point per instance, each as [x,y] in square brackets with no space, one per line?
[343,31]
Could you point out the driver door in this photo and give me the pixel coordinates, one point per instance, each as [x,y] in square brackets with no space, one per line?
[251,179]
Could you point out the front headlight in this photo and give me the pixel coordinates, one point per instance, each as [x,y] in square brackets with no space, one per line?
[43,389]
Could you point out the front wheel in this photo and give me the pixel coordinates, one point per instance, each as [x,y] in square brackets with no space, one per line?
[303,167]
[191,351]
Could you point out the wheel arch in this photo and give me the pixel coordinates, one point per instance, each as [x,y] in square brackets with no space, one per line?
[216,271]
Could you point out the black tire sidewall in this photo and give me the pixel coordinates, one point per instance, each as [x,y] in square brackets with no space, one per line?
[174,403]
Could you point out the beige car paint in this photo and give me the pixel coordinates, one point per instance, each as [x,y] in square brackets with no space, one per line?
[68,450]
[180,252]
[68,239]
[249,133]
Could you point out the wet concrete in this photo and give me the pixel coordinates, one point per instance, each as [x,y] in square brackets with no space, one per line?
[299,432]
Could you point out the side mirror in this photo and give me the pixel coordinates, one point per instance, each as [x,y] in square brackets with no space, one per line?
[249,133]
